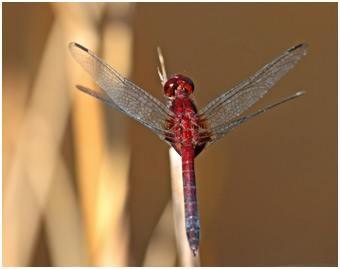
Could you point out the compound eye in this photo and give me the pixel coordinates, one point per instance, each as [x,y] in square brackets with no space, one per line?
[177,76]
[170,86]
[188,85]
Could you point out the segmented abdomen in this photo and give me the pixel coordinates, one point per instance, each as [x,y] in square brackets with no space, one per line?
[192,223]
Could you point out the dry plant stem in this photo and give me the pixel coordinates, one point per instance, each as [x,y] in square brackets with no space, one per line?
[162,74]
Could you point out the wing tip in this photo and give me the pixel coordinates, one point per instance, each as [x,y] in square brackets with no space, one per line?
[74,44]
[299,93]
[83,89]
[304,46]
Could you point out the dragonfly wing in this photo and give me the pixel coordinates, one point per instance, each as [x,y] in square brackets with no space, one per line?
[236,100]
[212,135]
[99,96]
[122,93]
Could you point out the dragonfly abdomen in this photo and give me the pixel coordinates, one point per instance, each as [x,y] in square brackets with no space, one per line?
[192,223]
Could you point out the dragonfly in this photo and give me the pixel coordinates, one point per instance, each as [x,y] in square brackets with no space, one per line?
[178,122]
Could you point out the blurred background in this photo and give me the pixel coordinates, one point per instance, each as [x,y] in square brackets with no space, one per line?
[84,185]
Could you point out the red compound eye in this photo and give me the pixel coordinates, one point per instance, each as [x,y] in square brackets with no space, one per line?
[177,76]
[187,83]
[178,81]
[170,86]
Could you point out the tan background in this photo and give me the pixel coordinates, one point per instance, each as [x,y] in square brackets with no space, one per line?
[267,192]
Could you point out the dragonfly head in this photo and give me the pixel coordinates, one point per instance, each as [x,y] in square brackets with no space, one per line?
[178,85]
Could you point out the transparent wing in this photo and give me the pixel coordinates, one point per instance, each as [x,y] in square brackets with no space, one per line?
[122,93]
[213,134]
[236,100]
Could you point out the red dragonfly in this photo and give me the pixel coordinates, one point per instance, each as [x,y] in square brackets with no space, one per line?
[179,123]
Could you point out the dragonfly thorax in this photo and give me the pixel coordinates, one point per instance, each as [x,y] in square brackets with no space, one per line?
[178,85]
